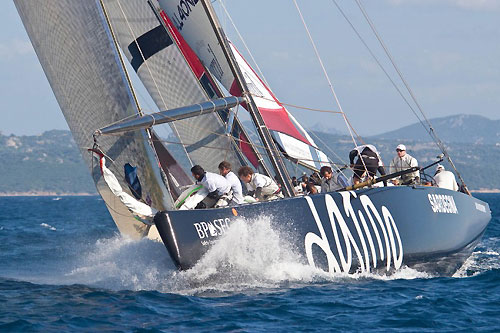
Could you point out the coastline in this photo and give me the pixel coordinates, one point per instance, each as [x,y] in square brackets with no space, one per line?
[486,190]
[86,194]
[46,194]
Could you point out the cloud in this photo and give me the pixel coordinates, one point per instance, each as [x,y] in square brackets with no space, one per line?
[466,4]
[15,48]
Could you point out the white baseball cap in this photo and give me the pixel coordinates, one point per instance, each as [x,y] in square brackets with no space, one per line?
[439,167]
[401,147]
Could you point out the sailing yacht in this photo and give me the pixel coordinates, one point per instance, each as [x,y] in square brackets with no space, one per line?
[200,81]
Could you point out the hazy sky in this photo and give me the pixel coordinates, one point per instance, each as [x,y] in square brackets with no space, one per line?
[449,51]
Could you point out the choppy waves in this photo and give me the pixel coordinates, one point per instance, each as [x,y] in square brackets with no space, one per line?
[74,272]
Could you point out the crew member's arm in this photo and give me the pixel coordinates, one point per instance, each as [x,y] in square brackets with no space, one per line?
[381,170]
[414,163]
[392,169]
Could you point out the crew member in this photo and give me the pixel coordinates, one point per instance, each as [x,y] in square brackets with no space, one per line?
[219,189]
[261,187]
[328,182]
[225,171]
[445,179]
[368,160]
[311,189]
[404,161]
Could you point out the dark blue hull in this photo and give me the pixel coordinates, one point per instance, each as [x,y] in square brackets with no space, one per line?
[366,230]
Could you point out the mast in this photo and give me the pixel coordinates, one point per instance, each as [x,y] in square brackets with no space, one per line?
[166,23]
[262,130]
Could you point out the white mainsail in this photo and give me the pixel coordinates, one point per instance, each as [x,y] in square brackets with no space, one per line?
[192,22]
[78,57]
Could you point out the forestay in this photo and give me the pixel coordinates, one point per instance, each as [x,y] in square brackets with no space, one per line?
[77,54]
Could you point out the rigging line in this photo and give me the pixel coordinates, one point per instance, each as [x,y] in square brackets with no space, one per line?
[221,135]
[432,132]
[219,148]
[328,79]
[120,57]
[244,43]
[315,110]
[331,150]
[262,74]
[328,148]
[222,148]
[131,87]
[149,70]
[379,64]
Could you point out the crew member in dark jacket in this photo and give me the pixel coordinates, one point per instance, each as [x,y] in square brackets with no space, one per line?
[368,160]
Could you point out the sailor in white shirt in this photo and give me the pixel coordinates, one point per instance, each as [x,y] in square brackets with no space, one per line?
[404,161]
[260,186]
[445,179]
[217,186]
[225,171]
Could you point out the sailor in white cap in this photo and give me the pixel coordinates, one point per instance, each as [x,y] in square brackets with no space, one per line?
[445,179]
[404,161]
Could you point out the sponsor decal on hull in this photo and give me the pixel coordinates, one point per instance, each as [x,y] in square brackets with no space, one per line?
[383,232]
[211,229]
[441,203]
[480,207]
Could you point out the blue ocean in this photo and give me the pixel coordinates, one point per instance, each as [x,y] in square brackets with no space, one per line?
[64,267]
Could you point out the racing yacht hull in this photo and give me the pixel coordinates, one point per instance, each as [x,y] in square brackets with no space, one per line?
[375,229]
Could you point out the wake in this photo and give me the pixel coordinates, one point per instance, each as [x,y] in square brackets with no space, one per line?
[253,256]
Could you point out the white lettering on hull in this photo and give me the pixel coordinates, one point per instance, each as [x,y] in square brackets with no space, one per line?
[365,247]
[214,228]
[441,203]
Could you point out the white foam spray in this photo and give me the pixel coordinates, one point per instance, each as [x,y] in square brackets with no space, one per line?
[253,256]
[48,226]
[485,258]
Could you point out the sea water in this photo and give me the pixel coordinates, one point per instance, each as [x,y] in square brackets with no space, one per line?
[64,267]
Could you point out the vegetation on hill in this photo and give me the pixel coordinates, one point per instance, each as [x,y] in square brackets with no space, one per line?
[477,163]
[51,162]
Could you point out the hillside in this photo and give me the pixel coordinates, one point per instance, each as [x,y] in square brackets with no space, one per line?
[51,162]
[469,158]
[456,129]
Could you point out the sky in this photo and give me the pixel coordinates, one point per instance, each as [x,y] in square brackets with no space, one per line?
[448,51]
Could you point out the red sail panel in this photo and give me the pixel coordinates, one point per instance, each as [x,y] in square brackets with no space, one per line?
[274,114]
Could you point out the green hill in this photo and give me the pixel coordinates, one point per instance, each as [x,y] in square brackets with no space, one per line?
[51,162]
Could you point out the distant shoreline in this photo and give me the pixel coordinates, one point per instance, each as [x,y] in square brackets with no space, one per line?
[85,194]
[486,190]
[46,194]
